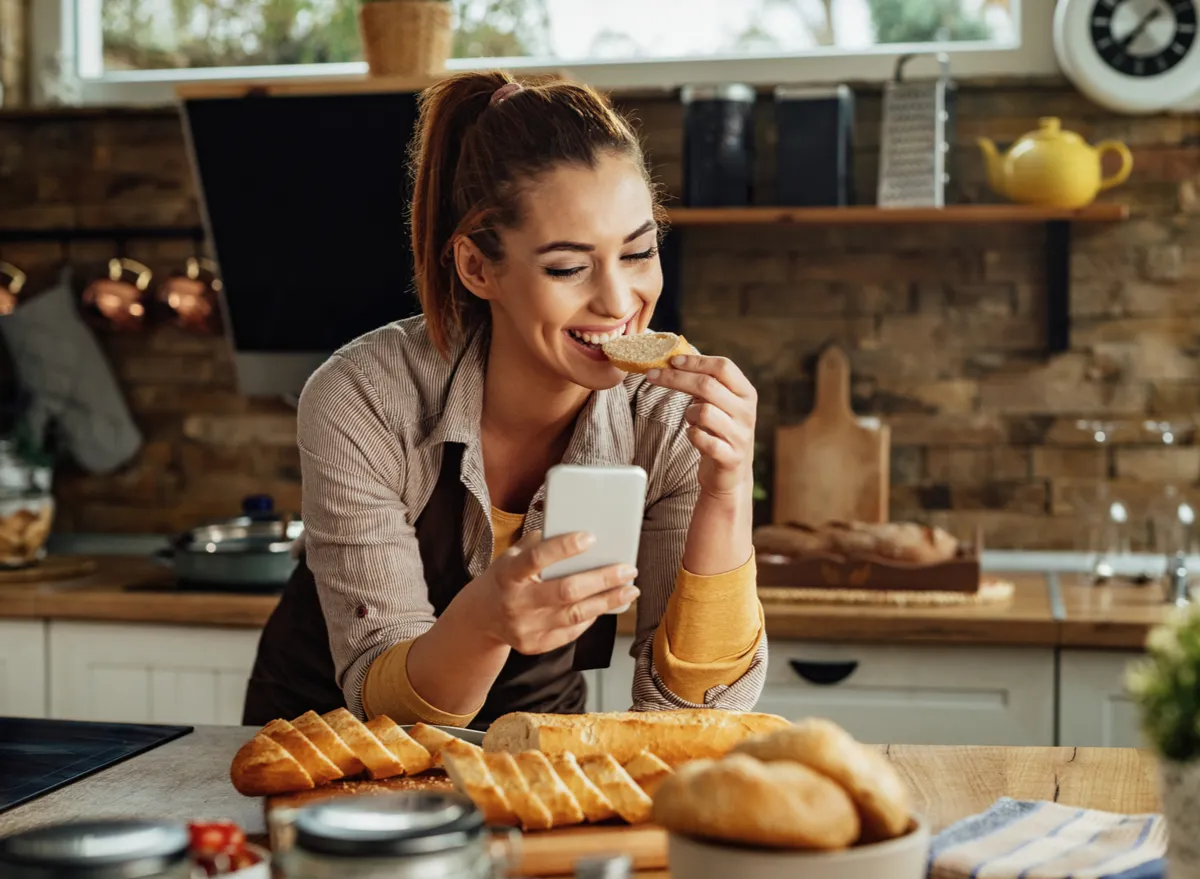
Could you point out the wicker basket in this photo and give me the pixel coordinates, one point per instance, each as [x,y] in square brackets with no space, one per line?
[406,37]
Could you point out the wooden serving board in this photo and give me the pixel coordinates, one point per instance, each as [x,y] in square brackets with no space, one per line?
[540,853]
[830,467]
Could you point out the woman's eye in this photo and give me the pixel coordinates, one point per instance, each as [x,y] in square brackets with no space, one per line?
[563,273]
[640,257]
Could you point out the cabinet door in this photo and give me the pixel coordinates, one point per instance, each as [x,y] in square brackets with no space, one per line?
[149,673]
[23,668]
[1093,709]
[917,695]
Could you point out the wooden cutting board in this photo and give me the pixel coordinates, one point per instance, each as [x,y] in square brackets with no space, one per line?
[541,853]
[830,467]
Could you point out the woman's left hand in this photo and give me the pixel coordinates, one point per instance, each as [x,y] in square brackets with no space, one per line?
[722,414]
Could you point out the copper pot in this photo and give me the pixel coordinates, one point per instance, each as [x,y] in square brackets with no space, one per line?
[10,289]
[192,296]
[119,297]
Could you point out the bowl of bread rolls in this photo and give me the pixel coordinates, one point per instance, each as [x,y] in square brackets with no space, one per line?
[804,801]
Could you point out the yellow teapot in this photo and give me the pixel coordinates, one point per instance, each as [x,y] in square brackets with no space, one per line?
[1053,168]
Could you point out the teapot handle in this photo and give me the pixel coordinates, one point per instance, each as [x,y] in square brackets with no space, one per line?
[1121,174]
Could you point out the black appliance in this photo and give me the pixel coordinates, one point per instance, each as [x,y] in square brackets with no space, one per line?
[38,756]
[718,145]
[815,158]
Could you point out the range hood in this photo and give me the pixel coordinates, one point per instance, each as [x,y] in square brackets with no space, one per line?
[304,200]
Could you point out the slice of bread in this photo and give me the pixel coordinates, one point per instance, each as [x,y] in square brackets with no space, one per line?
[648,771]
[415,758]
[627,798]
[321,734]
[321,768]
[464,764]
[432,740]
[263,766]
[380,762]
[645,351]
[550,789]
[594,803]
[529,808]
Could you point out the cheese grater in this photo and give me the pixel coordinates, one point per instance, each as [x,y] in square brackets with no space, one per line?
[915,140]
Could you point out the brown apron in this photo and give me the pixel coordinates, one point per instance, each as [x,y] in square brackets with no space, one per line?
[293,671]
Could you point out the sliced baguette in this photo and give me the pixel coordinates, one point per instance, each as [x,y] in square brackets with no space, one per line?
[432,740]
[531,811]
[380,762]
[412,755]
[262,767]
[465,765]
[313,727]
[648,771]
[544,782]
[321,769]
[674,736]
[642,352]
[629,800]
[592,801]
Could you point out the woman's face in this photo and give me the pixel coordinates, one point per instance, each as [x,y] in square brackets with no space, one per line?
[582,268]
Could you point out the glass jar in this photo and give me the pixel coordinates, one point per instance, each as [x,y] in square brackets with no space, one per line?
[408,835]
[110,849]
[26,508]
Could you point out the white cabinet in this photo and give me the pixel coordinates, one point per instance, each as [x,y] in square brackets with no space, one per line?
[1093,709]
[23,668]
[149,673]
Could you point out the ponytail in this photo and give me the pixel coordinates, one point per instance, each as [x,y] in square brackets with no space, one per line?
[467,154]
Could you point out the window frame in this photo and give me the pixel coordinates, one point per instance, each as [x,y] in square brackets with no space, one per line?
[54,31]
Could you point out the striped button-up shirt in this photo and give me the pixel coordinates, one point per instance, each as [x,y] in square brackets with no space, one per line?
[372,424]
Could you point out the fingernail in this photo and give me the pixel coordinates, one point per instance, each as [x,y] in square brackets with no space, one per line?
[629,593]
[627,572]
[583,541]
[678,360]
[652,375]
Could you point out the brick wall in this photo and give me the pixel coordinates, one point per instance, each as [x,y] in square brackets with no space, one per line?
[944,324]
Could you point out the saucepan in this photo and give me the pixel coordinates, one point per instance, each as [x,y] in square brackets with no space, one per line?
[251,552]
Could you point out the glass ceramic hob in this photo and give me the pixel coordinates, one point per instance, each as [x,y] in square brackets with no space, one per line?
[38,756]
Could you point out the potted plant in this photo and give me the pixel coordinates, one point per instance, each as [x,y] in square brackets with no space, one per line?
[1166,688]
[406,37]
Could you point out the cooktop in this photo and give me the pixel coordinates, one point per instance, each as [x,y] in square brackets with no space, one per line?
[38,756]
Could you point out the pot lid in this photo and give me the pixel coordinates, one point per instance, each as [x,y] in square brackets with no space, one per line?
[258,529]
[108,849]
[409,823]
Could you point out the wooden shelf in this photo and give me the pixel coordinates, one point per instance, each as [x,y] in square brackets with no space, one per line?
[869,214]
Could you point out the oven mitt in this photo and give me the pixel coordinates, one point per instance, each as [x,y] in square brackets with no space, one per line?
[61,366]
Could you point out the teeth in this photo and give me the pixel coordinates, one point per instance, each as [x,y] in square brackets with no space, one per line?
[598,338]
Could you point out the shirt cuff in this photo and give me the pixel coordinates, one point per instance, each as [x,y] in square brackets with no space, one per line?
[714,618]
[692,681]
[387,690]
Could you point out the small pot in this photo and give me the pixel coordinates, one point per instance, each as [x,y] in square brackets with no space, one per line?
[406,37]
[1179,787]
[252,552]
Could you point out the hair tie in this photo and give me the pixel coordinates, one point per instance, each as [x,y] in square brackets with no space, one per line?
[505,92]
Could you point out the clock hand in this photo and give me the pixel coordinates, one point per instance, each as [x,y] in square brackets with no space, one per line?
[1137,31]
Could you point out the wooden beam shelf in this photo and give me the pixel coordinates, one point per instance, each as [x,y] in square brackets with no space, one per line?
[871,215]
[1057,223]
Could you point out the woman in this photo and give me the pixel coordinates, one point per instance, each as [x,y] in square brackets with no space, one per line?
[424,446]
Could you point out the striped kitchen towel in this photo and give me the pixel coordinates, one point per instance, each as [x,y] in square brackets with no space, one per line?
[1017,839]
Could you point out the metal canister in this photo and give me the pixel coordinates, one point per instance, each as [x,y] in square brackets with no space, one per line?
[718,149]
[111,849]
[407,835]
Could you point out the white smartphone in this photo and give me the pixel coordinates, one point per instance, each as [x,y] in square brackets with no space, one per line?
[607,502]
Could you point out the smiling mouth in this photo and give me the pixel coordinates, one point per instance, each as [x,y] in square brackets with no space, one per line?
[595,340]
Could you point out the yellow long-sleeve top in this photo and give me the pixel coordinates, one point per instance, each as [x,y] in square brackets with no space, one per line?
[707,638]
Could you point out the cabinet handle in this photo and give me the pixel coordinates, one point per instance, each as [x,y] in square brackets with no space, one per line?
[823,674]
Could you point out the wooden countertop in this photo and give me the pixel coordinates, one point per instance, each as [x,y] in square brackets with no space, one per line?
[1043,611]
[188,779]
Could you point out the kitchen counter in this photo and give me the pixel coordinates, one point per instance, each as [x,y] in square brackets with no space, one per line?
[188,779]
[1046,610]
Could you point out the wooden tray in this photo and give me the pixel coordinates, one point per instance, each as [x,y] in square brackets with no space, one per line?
[963,573]
[538,854]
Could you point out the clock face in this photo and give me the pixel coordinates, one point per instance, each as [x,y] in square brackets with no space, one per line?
[1143,38]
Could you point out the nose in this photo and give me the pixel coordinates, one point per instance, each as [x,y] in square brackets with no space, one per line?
[614,297]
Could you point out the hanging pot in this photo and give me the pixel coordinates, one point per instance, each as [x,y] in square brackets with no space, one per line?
[250,553]
[10,287]
[192,296]
[118,298]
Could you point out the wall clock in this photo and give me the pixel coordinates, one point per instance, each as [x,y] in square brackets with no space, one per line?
[1131,56]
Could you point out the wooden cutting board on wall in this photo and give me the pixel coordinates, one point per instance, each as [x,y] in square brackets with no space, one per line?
[831,466]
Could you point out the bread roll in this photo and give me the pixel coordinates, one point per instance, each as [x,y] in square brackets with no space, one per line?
[675,737]
[643,352]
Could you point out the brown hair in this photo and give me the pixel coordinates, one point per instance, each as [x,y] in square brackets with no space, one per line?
[470,158]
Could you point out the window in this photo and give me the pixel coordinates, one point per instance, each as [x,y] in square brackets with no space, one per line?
[134,49]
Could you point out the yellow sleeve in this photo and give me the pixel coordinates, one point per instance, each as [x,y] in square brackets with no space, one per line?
[387,690]
[710,631]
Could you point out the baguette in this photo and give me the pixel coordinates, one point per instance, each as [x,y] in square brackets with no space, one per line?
[412,755]
[629,800]
[263,766]
[643,352]
[320,768]
[380,762]
[595,805]
[467,770]
[675,737]
[531,811]
[544,782]
[324,739]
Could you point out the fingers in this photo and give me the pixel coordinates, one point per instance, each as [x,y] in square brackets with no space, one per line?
[701,386]
[534,555]
[724,370]
[583,613]
[713,447]
[715,421]
[578,587]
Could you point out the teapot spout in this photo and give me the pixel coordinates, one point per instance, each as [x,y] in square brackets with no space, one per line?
[994,164]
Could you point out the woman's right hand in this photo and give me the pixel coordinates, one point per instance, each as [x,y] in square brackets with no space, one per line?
[534,616]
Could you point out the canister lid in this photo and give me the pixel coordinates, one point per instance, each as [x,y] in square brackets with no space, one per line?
[809,92]
[728,91]
[408,823]
[110,849]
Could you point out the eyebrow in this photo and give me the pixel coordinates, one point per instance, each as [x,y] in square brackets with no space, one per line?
[578,247]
